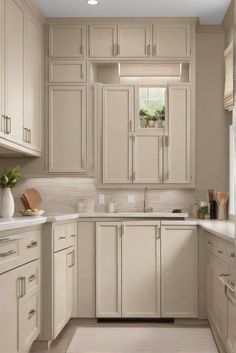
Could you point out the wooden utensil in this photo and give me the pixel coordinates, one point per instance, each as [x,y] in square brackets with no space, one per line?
[32,198]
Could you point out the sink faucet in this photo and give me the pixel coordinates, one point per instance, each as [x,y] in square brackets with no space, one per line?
[145,206]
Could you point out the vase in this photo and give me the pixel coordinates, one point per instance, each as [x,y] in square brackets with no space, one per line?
[160,124]
[7,203]
[151,123]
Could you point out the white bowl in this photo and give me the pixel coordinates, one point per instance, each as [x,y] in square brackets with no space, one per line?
[32,213]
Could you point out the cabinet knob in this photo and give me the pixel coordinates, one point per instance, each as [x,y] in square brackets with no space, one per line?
[232,255]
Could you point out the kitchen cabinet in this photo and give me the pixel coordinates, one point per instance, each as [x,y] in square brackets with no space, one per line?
[141,269]
[102,40]
[178,153]
[231,317]
[67,71]
[179,271]
[118,118]
[148,158]
[134,40]
[67,129]
[67,41]
[171,40]
[120,278]
[108,269]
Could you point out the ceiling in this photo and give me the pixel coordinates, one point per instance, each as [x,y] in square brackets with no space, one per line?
[209,11]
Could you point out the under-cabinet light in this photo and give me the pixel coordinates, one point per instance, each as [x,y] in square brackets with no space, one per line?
[92,2]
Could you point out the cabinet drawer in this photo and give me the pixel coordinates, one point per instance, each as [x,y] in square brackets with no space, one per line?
[72,234]
[32,277]
[60,237]
[31,246]
[220,249]
[68,71]
[9,253]
[210,243]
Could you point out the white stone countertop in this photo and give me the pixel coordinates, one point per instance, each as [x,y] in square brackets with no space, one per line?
[223,229]
[20,222]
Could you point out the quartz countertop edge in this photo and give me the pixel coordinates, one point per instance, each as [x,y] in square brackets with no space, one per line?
[223,229]
[20,222]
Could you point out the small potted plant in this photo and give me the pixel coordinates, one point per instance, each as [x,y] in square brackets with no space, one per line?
[8,179]
[202,211]
[160,114]
[151,118]
[143,113]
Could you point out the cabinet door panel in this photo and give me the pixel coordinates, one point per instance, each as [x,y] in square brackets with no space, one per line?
[60,291]
[102,40]
[118,114]
[133,40]
[178,149]
[179,268]
[108,269]
[67,41]
[67,71]
[147,159]
[14,69]
[141,269]
[34,84]
[67,130]
[171,40]
[71,283]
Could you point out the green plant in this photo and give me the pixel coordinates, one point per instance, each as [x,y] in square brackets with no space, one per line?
[202,210]
[143,113]
[160,113]
[9,177]
[151,117]
[177,210]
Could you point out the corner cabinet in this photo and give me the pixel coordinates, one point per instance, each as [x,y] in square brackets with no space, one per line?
[67,129]
[131,156]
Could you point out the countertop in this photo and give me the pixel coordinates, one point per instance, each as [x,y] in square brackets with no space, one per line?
[223,229]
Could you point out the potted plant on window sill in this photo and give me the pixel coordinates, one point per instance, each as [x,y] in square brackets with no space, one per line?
[151,120]
[8,179]
[160,115]
[143,113]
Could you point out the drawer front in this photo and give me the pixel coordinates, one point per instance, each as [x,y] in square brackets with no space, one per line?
[32,277]
[220,249]
[30,246]
[210,243]
[72,234]
[60,237]
[9,253]
[69,71]
[231,255]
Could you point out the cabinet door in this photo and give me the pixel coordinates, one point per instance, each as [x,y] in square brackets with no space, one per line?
[102,40]
[67,129]
[141,269]
[14,69]
[108,269]
[71,282]
[148,151]
[9,296]
[60,311]
[34,84]
[134,40]
[118,115]
[177,156]
[179,269]
[171,40]
[66,41]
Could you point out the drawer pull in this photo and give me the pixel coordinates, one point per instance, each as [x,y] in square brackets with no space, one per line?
[22,286]
[32,245]
[232,254]
[73,236]
[209,243]
[5,240]
[31,314]
[8,253]
[60,238]
[220,252]
[32,278]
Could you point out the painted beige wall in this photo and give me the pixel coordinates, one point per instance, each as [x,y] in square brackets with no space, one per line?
[228,23]
[212,121]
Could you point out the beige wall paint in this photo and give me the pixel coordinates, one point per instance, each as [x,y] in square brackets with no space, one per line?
[228,23]
[212,121]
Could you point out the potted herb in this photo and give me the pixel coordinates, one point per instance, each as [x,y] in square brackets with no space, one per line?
[160,115]
[151,118]
[143,113]
[8,179]
[202,211]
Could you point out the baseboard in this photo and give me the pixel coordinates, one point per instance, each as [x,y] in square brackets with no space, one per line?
[191,322]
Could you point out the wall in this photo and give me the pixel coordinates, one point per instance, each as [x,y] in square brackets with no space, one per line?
[228,23]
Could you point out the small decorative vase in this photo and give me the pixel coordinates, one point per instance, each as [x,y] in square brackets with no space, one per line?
[143,123]
[7,203]
[160,124]
[151,123]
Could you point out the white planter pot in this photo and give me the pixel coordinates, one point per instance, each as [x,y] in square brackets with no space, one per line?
[151,123]
[7,203]
[160,124]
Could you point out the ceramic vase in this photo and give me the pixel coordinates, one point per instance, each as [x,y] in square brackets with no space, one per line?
[7,203]
[151,123]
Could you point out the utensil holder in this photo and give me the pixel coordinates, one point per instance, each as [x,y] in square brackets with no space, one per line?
[222,212]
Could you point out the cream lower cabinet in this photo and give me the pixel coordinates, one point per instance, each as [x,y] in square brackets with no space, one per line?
[67,129]
[179,271]
[128,285]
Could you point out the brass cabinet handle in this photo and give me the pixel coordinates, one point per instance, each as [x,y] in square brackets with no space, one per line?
[32,245]
[4,123]
[25,134]
[22,286]
[8,253]
[8,126]
[31,314]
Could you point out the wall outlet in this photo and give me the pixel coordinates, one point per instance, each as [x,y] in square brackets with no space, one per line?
[101,199]
[131,199]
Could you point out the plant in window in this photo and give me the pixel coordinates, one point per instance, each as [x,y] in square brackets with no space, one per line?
[151,118]
[143,113]
[160,115]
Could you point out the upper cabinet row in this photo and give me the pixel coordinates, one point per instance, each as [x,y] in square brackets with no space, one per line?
[139,40]
[21,63]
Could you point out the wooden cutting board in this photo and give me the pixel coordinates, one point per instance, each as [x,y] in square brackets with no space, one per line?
[32,198]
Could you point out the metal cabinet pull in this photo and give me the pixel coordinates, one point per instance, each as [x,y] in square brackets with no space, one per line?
[5,240]
[8,253]
[8,125]
[81,49]
[73,235]
[232,255]
[32,278]
[114,49]
[220,252]
[72,253]
[154,50]
[31,314]
[25,131]
[209,242]
[29,139]
[60,238]
[118,49]
[22,286]
[148,50]
[4,123]
[32,245]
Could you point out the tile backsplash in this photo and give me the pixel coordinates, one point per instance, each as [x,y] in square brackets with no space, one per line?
[63,194]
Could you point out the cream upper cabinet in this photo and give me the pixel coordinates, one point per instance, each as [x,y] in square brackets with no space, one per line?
[141,269]
[67,41]
[171,40]
[33,84]
[14,70]
[179,271]
[102,40]
[108,269]
[118,117]
[133,40]
[147,158]
[177,155]
[67,129]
